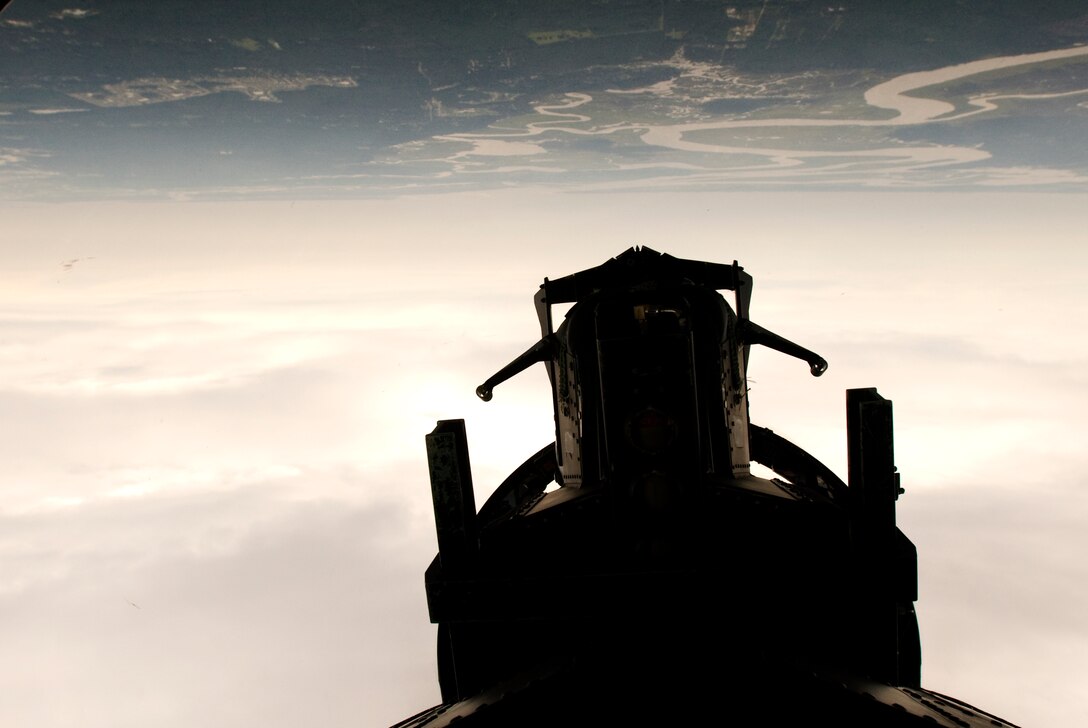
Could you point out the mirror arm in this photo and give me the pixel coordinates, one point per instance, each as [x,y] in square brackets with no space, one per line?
[540,351]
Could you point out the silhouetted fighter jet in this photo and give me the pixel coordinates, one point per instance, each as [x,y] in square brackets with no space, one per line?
[661,582]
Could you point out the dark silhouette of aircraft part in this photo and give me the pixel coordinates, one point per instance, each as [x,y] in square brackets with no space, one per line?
[661,581]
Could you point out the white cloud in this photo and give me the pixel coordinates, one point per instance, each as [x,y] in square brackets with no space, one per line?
[244,373]
[73,13]
[166,607]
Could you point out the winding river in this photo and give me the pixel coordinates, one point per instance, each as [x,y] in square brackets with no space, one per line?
[899,95]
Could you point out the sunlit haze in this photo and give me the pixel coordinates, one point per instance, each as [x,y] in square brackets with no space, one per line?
[216,380]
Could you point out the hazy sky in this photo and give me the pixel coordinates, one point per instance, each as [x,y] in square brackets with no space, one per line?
[215,501]
[214,504]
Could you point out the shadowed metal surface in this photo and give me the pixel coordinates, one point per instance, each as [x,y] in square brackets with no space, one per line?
[662,582]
